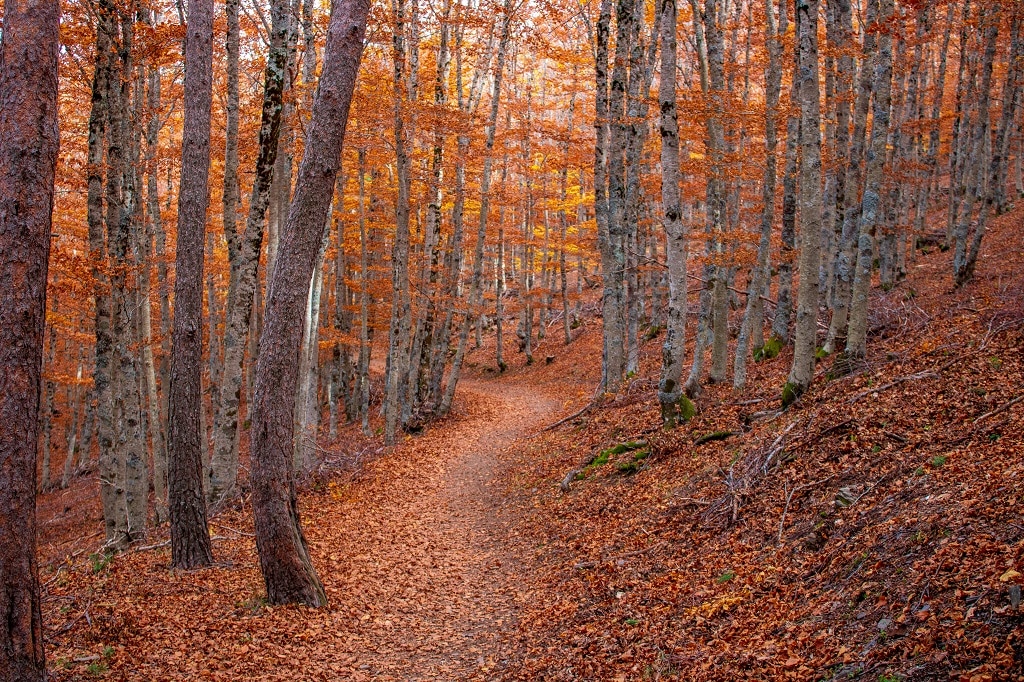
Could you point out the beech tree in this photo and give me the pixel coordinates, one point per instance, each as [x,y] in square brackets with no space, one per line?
[284,556]
[29,141]
[805,342]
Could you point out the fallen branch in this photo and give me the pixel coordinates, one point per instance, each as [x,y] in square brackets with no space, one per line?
[894,382]
[569,418]
[569,478]
[617,557]
[1000,409]
[789,498]
[717,435]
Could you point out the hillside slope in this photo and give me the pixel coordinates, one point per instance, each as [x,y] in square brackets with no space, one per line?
[872,531]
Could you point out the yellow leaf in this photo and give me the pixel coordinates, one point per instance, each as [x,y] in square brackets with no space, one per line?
[1008,576]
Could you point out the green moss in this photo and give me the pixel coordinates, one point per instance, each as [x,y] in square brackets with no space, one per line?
[714,435]
[629,467]
[602,458]
[938,461]
[652,332]
[771,348]
[687,410]
[790,392]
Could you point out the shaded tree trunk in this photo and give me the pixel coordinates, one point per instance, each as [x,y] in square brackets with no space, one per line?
[244,262]
[190,538]
[28,158]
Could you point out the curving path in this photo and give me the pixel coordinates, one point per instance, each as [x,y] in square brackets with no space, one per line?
[422,550]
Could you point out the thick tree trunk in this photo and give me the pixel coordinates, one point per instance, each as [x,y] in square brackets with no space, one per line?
[401,312]
[28,158]
[284,557]
[190,538]
[122,198]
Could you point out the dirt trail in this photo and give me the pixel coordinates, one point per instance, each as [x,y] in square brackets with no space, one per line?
[415,554]
[428,560]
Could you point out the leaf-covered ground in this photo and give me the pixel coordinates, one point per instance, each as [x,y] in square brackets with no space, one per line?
[873,531]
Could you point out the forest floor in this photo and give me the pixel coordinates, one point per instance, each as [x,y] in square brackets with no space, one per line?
[872,531]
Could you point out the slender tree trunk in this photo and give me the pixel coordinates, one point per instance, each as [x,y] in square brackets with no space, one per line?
[672,349]
[476,290]
[365,330]
[802,373]
[965,254]
[856,341]
[244,276]
[753,317]
[190,538]
[28,158]
[846,258]
[284,557]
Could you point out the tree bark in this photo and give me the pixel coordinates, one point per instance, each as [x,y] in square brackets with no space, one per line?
[244,275]
[190,538]
[805,339]
[753,316]
[856,341]
[284,557]
[29,143]
[672,349]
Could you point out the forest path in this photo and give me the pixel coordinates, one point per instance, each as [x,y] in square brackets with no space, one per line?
[421,551]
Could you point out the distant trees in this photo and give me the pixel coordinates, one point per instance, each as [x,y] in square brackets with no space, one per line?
[493,175]
[29,142]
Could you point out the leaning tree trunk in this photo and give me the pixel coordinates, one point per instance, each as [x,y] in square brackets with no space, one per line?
[28,159]
[245,264]
[805,339]
[190,538]
[284,557]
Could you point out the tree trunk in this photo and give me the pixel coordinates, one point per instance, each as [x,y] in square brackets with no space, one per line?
[28,158]
[846,258]
[284,557]
[672,349]
[401,313]
[190,538]
[753,317]
[476,290]
[244,275]
[856,341]
[805,340]
[965,254]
